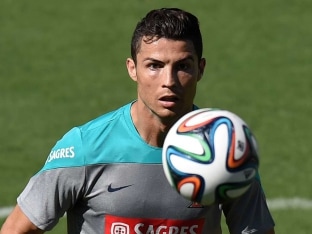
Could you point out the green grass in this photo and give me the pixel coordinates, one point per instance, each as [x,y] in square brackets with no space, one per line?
[63,63]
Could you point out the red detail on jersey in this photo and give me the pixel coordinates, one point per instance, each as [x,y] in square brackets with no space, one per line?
[122,225]
[196,205]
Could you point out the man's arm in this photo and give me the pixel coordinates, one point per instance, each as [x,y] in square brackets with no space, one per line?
[250,211]
[18,223]
[271,231]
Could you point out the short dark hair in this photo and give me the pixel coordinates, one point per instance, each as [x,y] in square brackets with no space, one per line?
[170,23]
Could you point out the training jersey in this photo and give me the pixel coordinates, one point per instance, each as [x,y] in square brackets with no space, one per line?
[107,179]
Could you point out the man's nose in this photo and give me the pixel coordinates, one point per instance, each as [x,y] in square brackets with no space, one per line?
[170,77]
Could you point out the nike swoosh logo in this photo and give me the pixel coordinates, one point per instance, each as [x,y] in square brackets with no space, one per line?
[111,189]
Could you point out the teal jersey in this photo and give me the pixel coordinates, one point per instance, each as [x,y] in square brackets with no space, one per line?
[107,179]
[110,138]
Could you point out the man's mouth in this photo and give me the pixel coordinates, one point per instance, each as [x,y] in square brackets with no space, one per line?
[169,98]
[169,101]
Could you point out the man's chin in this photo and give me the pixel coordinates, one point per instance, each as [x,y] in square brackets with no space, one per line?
[172,116]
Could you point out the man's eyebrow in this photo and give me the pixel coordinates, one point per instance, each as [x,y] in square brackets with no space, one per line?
[152,60]
[190,57]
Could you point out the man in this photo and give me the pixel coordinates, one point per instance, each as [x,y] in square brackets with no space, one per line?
[107,174]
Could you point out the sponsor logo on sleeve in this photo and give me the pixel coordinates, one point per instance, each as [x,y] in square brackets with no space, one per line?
[122,225]
[68,152]
[248,230]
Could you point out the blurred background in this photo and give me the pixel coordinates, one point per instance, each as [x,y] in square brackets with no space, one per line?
[62,63]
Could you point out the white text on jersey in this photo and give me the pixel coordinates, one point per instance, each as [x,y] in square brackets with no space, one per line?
[61,153]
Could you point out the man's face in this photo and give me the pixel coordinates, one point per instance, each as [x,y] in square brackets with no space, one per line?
[166,72]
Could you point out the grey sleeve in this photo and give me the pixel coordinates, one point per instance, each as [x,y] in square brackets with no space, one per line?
[49,194]
[249,212]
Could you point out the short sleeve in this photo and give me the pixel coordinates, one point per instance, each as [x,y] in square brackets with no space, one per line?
[249,212]
[67,152]
[58,185]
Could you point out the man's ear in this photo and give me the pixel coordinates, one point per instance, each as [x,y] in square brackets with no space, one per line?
[131,69]
[202,65]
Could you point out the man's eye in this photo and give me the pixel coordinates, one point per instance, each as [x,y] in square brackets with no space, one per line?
[183,66]
[154,66]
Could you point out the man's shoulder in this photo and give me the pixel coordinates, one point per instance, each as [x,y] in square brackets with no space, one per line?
[107,118]
[81,141]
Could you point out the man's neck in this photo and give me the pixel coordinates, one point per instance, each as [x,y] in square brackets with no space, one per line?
[152,130]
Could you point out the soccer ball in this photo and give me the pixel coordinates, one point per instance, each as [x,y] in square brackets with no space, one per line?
[210,156]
